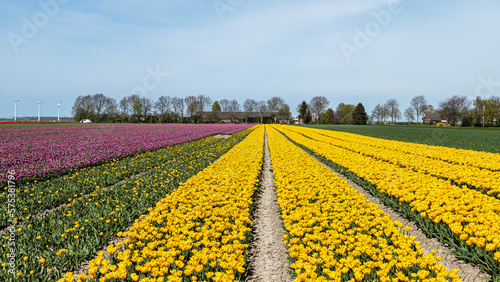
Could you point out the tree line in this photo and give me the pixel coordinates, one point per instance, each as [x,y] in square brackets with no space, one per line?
[134,108]
[201,108]
[484,111]
[316,111]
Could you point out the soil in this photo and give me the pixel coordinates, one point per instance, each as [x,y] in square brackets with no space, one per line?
[268,254]
[225,136]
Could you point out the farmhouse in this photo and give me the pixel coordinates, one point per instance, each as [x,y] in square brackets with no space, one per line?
[431,117]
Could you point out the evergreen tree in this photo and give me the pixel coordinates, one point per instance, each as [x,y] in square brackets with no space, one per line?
[303,109]
[308,117]
[216,107]
[214,114]
[359,115]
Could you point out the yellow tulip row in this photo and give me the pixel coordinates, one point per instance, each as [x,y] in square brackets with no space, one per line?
[472,216]
[490,161]
[334,233]
[414,158]
[198,232]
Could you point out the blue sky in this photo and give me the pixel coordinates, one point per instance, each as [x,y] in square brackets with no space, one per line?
[246,49]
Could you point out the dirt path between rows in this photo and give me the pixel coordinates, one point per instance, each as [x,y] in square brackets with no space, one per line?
[268,254]
[470,273]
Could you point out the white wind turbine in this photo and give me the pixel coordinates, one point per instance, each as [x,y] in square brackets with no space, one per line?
[39,109]
[15,109]
[58,106]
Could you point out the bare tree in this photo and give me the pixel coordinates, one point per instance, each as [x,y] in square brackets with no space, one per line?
[163,105]
[275,104]
[83,108]
[127,105]
[262,107]
[410,114]
[192,105]
[285,113]
[111,109]
[494,103]
[479,111]
[147,106]
[393,108]
[250,105]
[377,113]
[205,103]
[99,102]
[234,108]
[224,105]
[418,104]
[385,113]
[131,101]
[454,108]
[124,106]
[91,106]
[487,111]
[318,105]
[178,106]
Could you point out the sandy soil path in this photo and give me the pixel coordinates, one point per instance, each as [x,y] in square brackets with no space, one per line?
[268,255]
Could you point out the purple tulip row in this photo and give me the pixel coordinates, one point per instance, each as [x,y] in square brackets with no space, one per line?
[43,150]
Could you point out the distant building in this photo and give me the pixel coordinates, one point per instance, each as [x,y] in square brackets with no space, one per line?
[432,117]
[301,121]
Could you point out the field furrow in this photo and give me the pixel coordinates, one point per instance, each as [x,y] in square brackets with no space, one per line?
[268,255]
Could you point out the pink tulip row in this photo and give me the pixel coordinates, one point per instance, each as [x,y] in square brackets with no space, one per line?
[36,151]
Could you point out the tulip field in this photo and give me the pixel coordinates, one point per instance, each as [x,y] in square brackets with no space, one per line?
[41,151]
[173,202]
